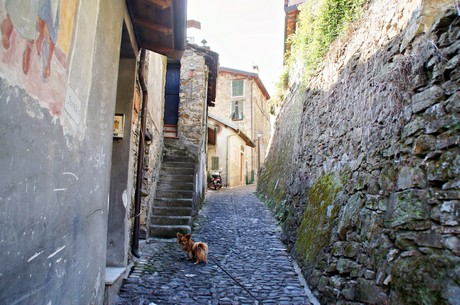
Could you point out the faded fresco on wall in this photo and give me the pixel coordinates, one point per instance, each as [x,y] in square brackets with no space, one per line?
[36,44]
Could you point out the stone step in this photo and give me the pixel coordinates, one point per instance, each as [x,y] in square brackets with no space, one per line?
[171,220]
[176,171]
[174,194]
[177,158]
[174,202]
[178,164]
[170,131]
[175,178]
[168,231]
[175,185]
[172,211]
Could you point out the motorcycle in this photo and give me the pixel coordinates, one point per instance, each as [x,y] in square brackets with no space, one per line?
[216,181]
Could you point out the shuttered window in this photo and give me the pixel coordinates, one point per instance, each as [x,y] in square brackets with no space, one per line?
[215,163]
[237,87]
[237,111]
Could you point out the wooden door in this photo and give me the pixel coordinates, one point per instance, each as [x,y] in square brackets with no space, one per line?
[172,88]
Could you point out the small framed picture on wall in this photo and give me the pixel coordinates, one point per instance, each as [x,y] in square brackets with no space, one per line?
[118,126]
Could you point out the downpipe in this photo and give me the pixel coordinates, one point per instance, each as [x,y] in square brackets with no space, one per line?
[140,158]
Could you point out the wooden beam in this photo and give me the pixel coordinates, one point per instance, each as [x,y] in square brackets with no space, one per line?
[129,26]
[158,48]
[163,50]
[163,4]
[152,26]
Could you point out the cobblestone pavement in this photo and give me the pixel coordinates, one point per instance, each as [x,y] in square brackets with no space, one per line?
[243,239]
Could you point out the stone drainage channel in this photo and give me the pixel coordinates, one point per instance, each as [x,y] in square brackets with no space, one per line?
[247,263]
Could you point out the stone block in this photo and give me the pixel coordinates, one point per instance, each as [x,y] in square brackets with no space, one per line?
[352,249]
[452,104]
[323,282]
[405,207]
[447,140]
[356,270]
[447,167]
[453,62]
[349,291]
[367,291]
[425,99]
[405,240]
[369,274]
[337,282]
[452,243]
[429,240]
[337,248]
[421,277]
[444,123]
[344,265]
[314,278]
[450,87]
[349,214]
[447,194]
[330,293]
[442,229]
[363,259]
[411,177]
[424,144]
[454,47]
[413,126]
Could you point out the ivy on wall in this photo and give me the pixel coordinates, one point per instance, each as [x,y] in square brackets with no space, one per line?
[319,24]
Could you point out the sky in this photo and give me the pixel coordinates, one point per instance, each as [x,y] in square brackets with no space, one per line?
[245,33]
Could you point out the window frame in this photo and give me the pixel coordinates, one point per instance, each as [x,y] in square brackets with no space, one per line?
[215,161]
[242,89]
[240,110]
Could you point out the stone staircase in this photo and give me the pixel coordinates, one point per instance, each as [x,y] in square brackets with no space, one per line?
[173,205]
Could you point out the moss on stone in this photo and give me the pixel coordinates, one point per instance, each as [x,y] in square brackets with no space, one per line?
[317,221]
[420,279]
[388,178]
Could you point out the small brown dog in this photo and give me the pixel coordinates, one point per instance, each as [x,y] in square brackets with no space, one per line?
[195,250]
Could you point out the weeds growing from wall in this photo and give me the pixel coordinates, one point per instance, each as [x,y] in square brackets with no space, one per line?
[319,24]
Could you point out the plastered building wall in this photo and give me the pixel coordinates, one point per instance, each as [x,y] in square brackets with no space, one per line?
[55,151]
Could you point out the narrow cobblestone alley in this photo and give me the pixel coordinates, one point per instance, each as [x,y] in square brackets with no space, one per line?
[244,246]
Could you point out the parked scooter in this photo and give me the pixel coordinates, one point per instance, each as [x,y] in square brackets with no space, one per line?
[216,181]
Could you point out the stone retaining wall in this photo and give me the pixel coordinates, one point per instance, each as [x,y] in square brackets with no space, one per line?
[369,193]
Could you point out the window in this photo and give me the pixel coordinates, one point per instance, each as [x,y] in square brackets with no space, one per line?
[237,87]
[237,111]
[215,163]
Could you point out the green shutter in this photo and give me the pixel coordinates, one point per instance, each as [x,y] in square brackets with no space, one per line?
[237,111]
[237,87]
[215,163]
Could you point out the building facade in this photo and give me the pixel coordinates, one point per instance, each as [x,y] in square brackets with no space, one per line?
[242,99]
[81,107]
[228,148]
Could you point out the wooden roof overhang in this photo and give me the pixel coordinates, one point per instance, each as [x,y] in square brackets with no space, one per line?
[159,26]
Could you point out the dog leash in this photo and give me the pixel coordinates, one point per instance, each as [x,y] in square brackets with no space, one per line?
[236,281]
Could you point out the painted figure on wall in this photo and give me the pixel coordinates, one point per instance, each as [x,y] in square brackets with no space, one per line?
[48,16]
[36,40]
[21,17]
[27,17]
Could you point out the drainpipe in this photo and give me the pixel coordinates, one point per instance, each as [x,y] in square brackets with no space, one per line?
[140,158]
[252,127]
